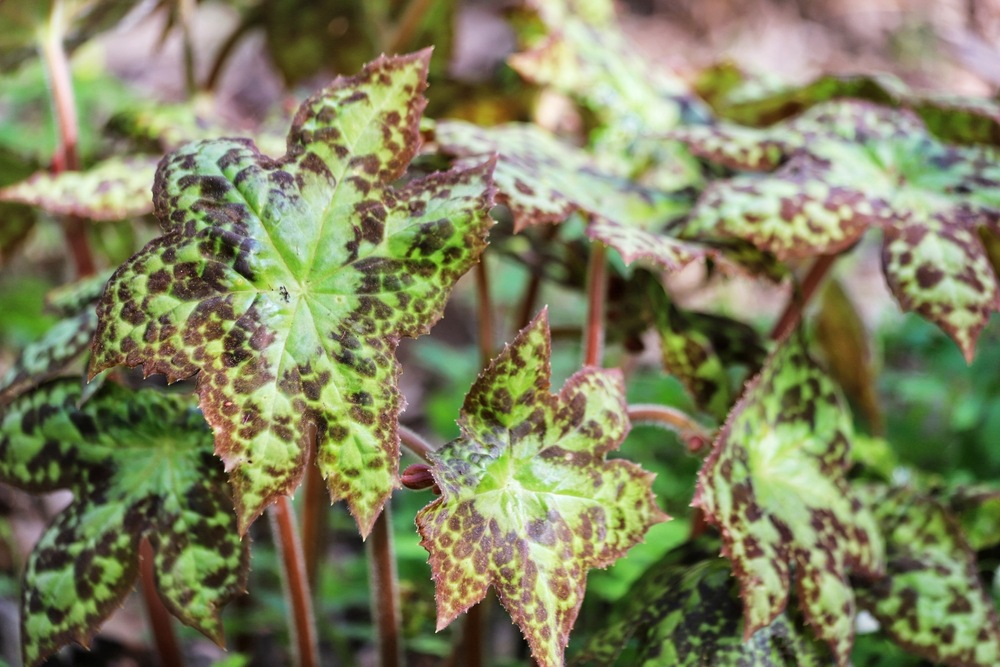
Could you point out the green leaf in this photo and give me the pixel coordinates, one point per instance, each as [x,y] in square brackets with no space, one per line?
[288,283]
[529,502]
[116,189]
[543,180]
[775,485]
[851,166]
[690,616]
[140,466]
[931,600]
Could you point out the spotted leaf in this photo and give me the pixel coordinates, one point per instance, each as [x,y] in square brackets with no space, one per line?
[931,600]
[529,502]
[543,180]
[140,466]
[288,283]
[775,485]
[851,166]
[115,189]
[690,616]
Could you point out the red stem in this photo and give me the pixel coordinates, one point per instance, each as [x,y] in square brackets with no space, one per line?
[484,313]
[385,591]
[416,443]
[597,287]
[159,618]
[696,435]
[527,308]
[303,625]
[314,527]
[800,298]
[66,157]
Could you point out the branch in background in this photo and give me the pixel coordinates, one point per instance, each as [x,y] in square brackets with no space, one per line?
[484,314]
[385,591]
[597,289]
[302,623]
[160,620]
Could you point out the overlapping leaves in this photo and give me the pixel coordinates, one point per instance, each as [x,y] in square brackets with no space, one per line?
[691,616]
[931,600]
[529,502]
[848,166]
[775,485]
[288,283]
[115,189]
[543,180]
[140,466]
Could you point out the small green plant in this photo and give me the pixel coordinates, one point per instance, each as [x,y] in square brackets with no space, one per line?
[281,286]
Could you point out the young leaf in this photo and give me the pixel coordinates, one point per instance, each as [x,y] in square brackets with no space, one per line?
[115,189]
[931,600]
[690,616]
[775,485]
[543,180]
[852,166]
[529,502]
[288,283]
[140,465]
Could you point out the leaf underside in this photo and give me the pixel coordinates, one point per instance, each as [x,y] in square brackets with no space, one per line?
[775,485]
[690,616]
[543,180]
[140,466]
[529,502]
[286,284]
[849,166]
[931,601]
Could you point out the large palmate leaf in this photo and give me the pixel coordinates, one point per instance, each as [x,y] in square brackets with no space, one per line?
[690,616]
[775,485]
[116,189]
[542,180]
[582,52]
[733,96]
[931,601]
[140,466]
[851,166]
[529,502]
[288,283]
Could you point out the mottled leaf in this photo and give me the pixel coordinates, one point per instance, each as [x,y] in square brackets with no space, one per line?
[73,297]
[140,466]
[288,283]
[977,509]
[543,180]
[529,502]
[116,189]
[691,616]
[775,484]
[582,52]
[931,600]
[851,166]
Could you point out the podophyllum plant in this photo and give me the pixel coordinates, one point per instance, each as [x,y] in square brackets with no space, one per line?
[282,287]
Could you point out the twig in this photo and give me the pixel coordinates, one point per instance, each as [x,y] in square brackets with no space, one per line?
[159,618]
[407,25]
[792,315]
[385,591]
[597,287]
[302,623]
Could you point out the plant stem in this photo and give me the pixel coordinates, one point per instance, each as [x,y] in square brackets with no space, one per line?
[407,25]
[597,287]
[222,55]
[800,298]
[316,499]
[416,443]
[185,11]
[484,313]
[385,591]
[66,157]
[159,618]
[694,434]
[302,623]
[533,288]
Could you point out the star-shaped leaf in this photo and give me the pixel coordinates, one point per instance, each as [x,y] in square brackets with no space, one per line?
[775,483]
[542,180]
[851,166]
[140,465]
[529,502]
[931,600]
[116,189]
[288,283]
[691,616]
